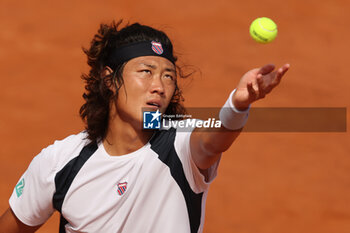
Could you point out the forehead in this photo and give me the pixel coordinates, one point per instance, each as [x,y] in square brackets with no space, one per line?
[157,62]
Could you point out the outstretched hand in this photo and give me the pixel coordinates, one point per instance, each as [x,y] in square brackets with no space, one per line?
[256,83]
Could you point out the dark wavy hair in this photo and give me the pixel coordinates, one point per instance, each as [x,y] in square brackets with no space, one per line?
[98,95]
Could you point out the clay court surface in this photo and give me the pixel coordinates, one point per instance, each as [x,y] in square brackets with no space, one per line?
[287,182]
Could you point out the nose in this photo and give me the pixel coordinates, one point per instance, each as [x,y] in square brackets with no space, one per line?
[157,85]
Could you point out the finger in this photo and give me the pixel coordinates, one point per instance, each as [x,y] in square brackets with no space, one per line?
[266,69]
[261,86]
[260,82]
[280,73]
[253,90]
[285,68]
[259,79]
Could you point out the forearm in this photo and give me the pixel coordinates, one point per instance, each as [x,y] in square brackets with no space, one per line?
[218,140]
[207,145]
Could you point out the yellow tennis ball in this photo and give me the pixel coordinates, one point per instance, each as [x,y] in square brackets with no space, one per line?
[263,30]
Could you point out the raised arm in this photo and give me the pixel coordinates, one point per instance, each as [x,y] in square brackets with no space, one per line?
[206,147]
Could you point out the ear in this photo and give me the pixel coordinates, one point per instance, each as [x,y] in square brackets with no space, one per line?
[106,71]
[107,79]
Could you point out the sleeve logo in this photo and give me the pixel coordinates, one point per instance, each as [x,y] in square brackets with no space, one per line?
[19,187]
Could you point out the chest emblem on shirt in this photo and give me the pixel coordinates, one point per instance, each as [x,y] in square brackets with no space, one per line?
[122,188]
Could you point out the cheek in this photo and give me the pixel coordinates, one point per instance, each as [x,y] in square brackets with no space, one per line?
[130,96]
[122,93]
[135,83]
[171,91]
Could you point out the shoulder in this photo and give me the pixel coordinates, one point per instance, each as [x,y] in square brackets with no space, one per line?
[33,206]
[62,151]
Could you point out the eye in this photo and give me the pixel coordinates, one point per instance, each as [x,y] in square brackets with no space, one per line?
[169,76]
[145,71]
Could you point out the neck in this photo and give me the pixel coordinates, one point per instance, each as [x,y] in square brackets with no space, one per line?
[123,137]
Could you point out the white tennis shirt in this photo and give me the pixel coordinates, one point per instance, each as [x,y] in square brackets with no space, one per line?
[137,192]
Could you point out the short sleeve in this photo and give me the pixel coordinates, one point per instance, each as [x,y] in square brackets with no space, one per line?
[31,200]
[193,175]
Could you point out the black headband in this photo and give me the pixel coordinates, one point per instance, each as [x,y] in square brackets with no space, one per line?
[138,49]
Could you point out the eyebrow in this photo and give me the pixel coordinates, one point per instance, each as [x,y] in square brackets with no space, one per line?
[154,67]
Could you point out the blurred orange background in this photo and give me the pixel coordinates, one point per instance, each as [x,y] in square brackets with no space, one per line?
[267,182]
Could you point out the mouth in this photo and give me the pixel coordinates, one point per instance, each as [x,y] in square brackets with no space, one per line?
[154,104]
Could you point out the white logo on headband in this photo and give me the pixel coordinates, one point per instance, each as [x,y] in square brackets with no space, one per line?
[157,47]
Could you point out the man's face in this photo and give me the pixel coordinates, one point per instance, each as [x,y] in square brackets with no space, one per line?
[149,83]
